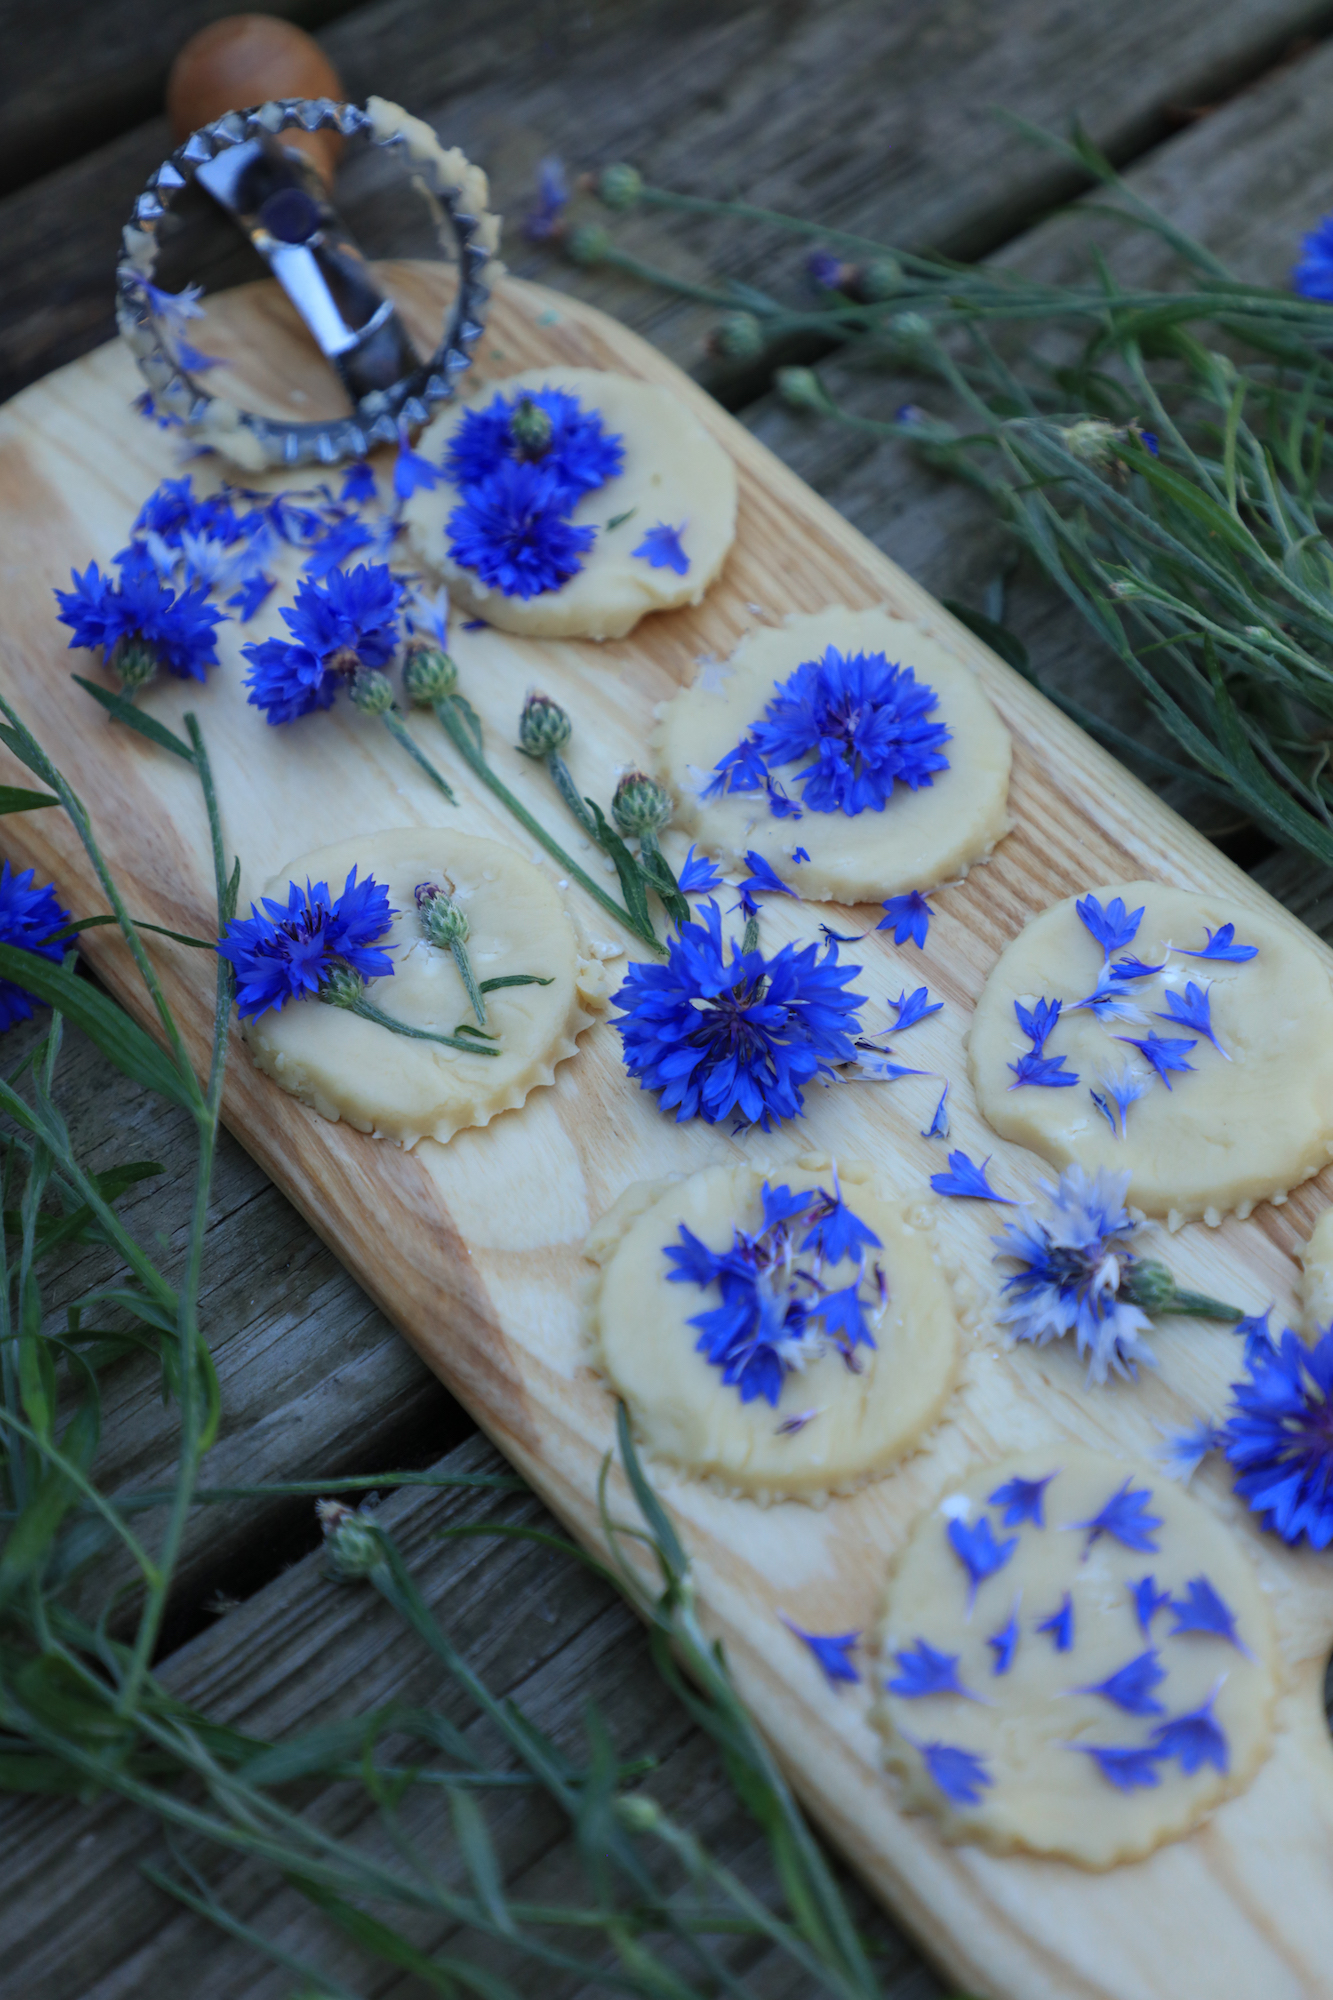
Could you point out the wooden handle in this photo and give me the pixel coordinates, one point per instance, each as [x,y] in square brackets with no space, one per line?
[243,60]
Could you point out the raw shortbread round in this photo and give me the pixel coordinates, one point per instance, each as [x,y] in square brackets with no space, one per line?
[1044,1795]
[919,840]
[1317,1278]
[380,1082]
[1227,1135]
[681,1408]
[674,471]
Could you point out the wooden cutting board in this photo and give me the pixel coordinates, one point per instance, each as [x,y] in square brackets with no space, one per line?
[474,1249]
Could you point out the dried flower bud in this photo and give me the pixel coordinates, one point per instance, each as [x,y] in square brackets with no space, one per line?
[640,805]
[801,389]
[1091,440]
[544,727]
[738,337]
[443,923]
[588,244]
[341,986]
[876,280]
[530,428]
[619,186]
[134,660]
[343,660]
[429,674]
[372,691]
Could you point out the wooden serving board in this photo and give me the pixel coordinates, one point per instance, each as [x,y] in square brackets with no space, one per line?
[474,1249]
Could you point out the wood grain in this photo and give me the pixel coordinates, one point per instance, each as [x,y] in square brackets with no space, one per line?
[474,1250]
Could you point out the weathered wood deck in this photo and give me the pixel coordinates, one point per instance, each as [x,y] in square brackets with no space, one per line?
[867,117]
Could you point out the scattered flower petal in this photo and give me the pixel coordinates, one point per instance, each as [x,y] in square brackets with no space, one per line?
[698,873]
[968,1181]
[923,1671]
[661,548]
[1113,927]
[1125,1518]
[1196,1739]
[907,917]
[1022,1500]
[831,1650]
[1193,1010]
[1048,1072]
[1185,1451]
[1126,1766]
[1037,1022]
[1221,945]
[913,1007]
[1131,1687]
[978,1551]
[939,1124]
[1060,1625]
[1148,1601]
[1166,1053]
[1202,1610]
[960,1774]
[1004,1644]
[762,880]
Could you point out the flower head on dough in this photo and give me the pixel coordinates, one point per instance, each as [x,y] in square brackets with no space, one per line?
[545,427]
[347,622]
[512,530]
[1071,1273]
[285,951]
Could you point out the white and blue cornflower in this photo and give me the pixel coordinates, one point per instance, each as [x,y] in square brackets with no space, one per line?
[1072,1273]
[1109,1000]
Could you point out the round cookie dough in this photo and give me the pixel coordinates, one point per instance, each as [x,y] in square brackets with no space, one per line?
[917,841]
[1317,1278]
[1227,1135]
[865,1422]
[1044,1795]
[398,1088]
[674,471]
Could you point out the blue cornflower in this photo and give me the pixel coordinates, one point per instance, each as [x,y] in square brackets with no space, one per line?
[1148,1601]
[742,1037]
[913,1007]
[1131,1687]
[1060,1625]
[1196,1739]
[967,1180]
[1113,927]
[698,873]
[1221,945]
[861,722]
[1184,1451]
[1047,1071]
[1192,1011]
[960,1774]
[546,220]
[762,880]
[1202,1610]
[512,531]
[1004,1644]
[832,1650]
[1074,1271]
[923,1671]
[1022,1500]
[358,487]
[30,920]
[1313,276]
[907,917]
[1279,1438]
[348,622]
[288,950]
[1122,1091]
[1126,1766]
[1166,1053]
[661,549]
[410,470]
[978,1551]
[140,623]
[1124,1517]
[1037,1022]
[578,451]
[938,1127]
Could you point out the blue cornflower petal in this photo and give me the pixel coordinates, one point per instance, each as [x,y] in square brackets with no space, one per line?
[1258,1336]
[1060,1625]
[923,1671]
[698,873]
[1166,1053]
[1113,927]
[512,531]
[1131,1687]
[1192,1010]
[411,470]
[1185,1451]
[762,880]
[332,545]
[1004,1644]
[938,1127]
[30,920]
[907,917]
[1148,1601]
[1220,945]
[661,548]
[960,1774]
[798,854]
[837,1234]
[1202,1610]
[358,487]
[1196,1739]
[978,1551]
[913,1007]
[1125,1518]
[968,1181]
[545,220]
[831,1650]
[1126,1766]
[1022,1500]
[1047,1071]
[1037,1022]
[247,600]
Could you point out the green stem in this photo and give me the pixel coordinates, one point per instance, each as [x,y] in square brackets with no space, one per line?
[463,960]
[750,937]
[569,792]
[1200,1306]
[464,1042]
[465,744]
[399,730]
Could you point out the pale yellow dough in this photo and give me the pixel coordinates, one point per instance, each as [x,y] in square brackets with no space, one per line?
[1044,1796]
[675,471]
[398,1088]
[681,1409]
[1317,1278]
[919,840]
[1224,1137]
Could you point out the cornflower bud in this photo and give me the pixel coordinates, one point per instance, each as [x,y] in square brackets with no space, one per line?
[442,921]
[372,691]
[1090,439]
[738,337]
[134,660]
[588,244]
[641,806]
[801,389]
[544,727]
[619,186]
[530,428]
[910,326]
[429,673]
[876,280]
[341,986]
[351,1540]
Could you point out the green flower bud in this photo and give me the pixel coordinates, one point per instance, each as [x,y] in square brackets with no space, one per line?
[879,279]
[619,186]
[1091,440]
[135,662]
[544,727]
[909,326]
[640,805]
[530,428]
[801,389]
[351,1540]
[341,986]
[429,674]
[372,691]
[442,921]
[588,244]
[1148,1285]
[639,1813]
[738,337]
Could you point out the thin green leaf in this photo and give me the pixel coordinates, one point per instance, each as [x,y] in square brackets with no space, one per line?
[94,923]
[513,979]
[13,799]
[109,1026]
[134,718]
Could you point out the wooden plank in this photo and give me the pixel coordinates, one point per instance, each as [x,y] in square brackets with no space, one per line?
[865,116]
[82,1923]
[475,1252]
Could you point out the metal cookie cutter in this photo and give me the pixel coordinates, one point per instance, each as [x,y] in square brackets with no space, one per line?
[275,197]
